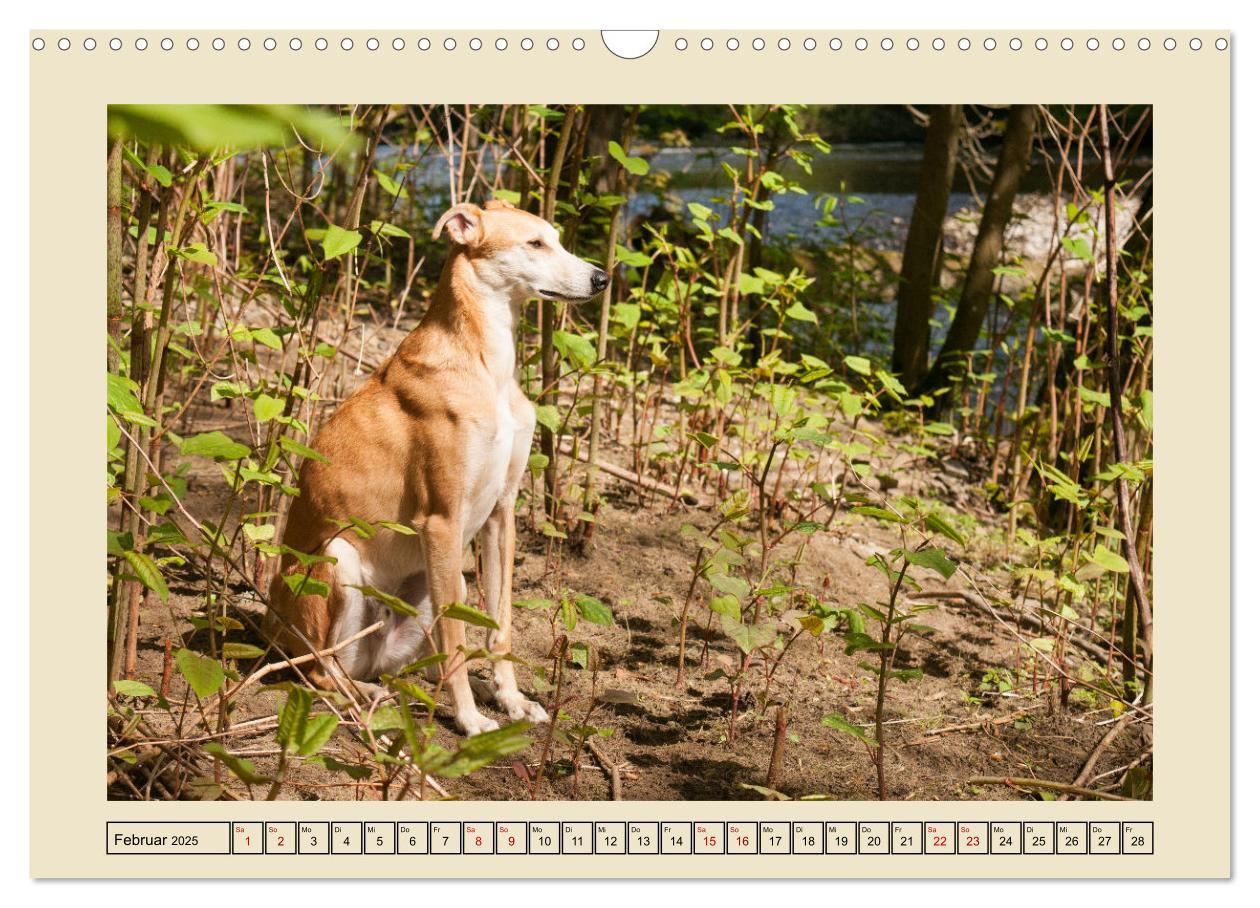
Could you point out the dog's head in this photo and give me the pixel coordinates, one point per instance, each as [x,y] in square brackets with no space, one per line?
[518,253]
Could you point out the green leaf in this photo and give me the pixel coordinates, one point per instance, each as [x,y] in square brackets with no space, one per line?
[198,253]
[242,651]
[637,166]
[1109,560]
[485,748]
[127,688]
[627,315]
[214,445]
[120,394]
[203,674]
[315,734]
[868,510]
[933,559]
[304,585]
[212,127]
[259,533]
[392,602]
[117,543]
[466,613]
[748,637]
[945,528]
[859,364]
[354,771]
[593,610]
[148,572]
[727,605]
[159,173]
[391,186]
[800,313]
[725,583]
[240,767]
[267,408]
[1077,248]
[292,716]
[573,347]
[267,338]
[301,450]
[839,723]
[548,416]
[338,241]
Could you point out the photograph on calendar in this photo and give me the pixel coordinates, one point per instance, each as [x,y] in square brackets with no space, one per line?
[629,452]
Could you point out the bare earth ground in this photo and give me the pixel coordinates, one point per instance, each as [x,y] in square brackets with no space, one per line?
[670,743]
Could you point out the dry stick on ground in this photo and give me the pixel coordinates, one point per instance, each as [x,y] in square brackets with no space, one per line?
[968,726]
[643,482]
[1087,768]
[1027,622]
[614,773]
[299,660]
[1045,785]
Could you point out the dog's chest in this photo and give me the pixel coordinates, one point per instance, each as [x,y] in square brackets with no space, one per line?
[490,461]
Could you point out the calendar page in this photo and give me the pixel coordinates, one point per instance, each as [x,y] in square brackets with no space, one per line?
[706,453]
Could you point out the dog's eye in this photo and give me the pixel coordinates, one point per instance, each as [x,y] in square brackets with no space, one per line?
[535,244]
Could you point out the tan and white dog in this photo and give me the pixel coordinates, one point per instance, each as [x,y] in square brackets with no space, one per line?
[436,439]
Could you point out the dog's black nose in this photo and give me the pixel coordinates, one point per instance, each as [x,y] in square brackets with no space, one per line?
[599,280]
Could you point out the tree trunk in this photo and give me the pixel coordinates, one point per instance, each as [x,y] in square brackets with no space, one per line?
[921,265]
[113,252]
[551,477]
[977,290]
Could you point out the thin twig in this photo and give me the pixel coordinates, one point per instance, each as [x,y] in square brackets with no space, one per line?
[1043,784]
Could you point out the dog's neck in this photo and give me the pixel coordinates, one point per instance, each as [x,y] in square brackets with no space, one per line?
[480,314]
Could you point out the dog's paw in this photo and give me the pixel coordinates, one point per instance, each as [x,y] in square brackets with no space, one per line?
[370,692]
[474,723]
[518,707]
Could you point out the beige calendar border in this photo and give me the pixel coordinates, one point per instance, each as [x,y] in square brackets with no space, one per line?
[1191,93]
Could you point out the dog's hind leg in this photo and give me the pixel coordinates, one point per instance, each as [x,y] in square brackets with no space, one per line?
[316,622]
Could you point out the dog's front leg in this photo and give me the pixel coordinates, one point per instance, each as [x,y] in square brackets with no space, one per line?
[498,548]
[442,556]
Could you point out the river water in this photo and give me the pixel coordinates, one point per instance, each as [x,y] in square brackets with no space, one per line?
[876,186]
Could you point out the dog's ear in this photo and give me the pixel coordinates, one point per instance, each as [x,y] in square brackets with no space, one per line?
[492,204]
[461,223]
